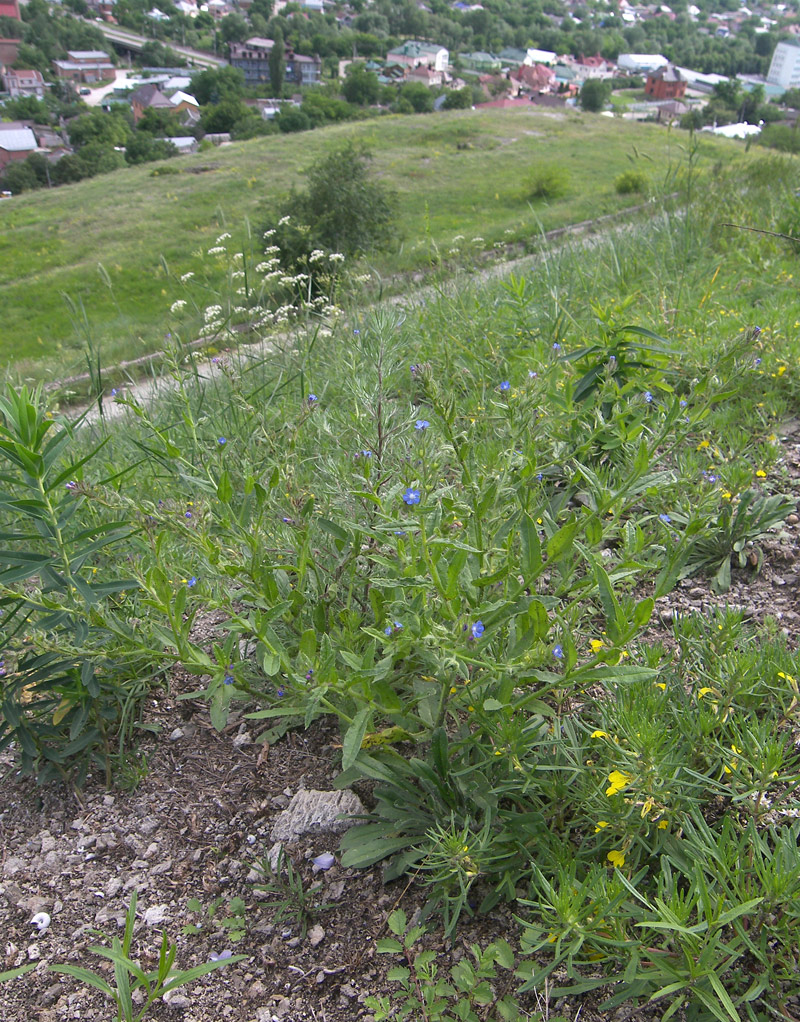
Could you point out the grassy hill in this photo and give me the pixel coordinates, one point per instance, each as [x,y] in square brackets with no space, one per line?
[101,242]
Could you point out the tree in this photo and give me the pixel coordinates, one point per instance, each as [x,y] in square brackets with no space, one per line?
[277,64]
[349,211]
[360,86]
[233,28]
[458,99]
[419,96]
[594,94]
[212,86]
[292,119]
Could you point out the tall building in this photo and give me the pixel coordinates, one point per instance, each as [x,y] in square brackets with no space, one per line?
[784,69]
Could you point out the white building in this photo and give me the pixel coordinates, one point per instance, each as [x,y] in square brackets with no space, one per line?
[784,70]
[641,63]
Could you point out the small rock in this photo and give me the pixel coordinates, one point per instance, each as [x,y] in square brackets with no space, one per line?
[51,994]
[48,843]
[316,935]
[348,990]
[176,734]
[282,1008]
[317,812]
[155,915]
[792,519]
[148,825]
[176,1000]
[13,865]
[114,886]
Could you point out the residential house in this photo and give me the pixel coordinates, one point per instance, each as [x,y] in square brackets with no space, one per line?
[413,54]
[252,57]
[540,57]
[512,57]
[640,63]
[591,67]
[152,96]
[24,83]
[665,83]
[10,9]
[84,66]
[533,79]
[481,61]
[427,75]
[15,144]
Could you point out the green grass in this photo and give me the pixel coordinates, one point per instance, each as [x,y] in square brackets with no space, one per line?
[52,242]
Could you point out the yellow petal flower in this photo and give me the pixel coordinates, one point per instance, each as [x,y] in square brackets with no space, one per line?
[596,644]
[599,734]
[600,825]
[616,858]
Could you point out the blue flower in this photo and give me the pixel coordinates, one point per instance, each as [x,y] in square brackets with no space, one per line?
[757,362]
[556,346]
[187,514]
[532,375]
[683,404]
[395,626]
[280,693]
[221,441]
[539,476]
[71,485]
[477,629]
[356,331]
[756,330]
[387,630]
[412,496]
[312,398]
[648,397]
[665,518]
[421,424]
[558,652]
[228,679]
[191,582]
[414,369]
[366,454]
[400,532]
[505,385]
[113,391]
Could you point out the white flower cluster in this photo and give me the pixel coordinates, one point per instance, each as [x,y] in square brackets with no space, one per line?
[336,257]
[272,249]
[284,220]
[316,255]
[237,274]
[212,312]
[187,276]
[269,234]
[177,306]
[221,238]
[217,250]
[267,265]
[362,278]
[477,240]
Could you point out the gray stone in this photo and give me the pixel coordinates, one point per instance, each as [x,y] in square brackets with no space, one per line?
[317,812]
[316,935]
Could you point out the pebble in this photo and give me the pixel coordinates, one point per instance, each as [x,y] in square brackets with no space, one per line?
[316,935]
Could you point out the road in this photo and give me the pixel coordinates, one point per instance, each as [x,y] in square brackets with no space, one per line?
[125,36]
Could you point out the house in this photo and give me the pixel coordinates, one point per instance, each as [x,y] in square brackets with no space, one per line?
[84,66]
[252,57]
[533,79]
[592,67]
[480,61]
[412,54]
[10,9]
[665,83]
[9,50]
[640,63]
[151,96]
[15,144]
[185,144]
[427,75]
[24,83]
[512,57]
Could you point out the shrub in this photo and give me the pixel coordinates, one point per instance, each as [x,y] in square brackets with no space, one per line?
[631,181]
[548,182]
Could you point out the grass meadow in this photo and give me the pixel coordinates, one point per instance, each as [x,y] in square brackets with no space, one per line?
[114,244]
[450,530]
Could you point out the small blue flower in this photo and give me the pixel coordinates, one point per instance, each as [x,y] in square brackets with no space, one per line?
[187,514]
[421,424]
[477,629]
[556,346]
[757,362]
[191,582]
[221,441]
[756,330]
[558,652]
[532,375]
[228,679]
[366,454]
[387,630]
[356,331]
[412,496]
[215,359]
[312,398]
[414,370]
[505,385]
[281,692]
[114,392]
[71,485]
[665,519]
[400,532]
[397,626]
[648,397]
[683,404]
[309,674]
[539,476]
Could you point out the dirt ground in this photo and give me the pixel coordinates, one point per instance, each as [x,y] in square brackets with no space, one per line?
[199,819]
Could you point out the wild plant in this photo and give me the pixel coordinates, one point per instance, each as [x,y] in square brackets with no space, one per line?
[294,901]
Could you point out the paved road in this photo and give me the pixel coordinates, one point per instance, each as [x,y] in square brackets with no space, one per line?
[124,35]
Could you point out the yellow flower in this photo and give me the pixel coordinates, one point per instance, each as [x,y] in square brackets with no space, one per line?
[663,824]
[599,734]
[617,781]
[596,644]
[616,858]
[703,444]
[761,474]
[600,825]
[727,495]
[781,370]
[704,692]
[661,685]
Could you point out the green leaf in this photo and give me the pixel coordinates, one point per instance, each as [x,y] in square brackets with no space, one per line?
[560,543]
[225,487]
[85,976]
[397,923]
[351,745]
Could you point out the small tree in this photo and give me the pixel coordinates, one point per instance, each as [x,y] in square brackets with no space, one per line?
[277,64]
[594,94]
[360,86]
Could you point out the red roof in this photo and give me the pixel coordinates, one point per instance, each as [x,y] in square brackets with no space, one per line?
[9,9]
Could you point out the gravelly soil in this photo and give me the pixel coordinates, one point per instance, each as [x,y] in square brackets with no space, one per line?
[196,822]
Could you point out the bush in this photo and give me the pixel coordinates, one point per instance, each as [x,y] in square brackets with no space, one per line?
[631,181]
[548,182]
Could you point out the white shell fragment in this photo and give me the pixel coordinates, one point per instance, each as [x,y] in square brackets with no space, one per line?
[41,921]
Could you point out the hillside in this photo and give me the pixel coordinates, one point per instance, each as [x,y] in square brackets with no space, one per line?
[462,173]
